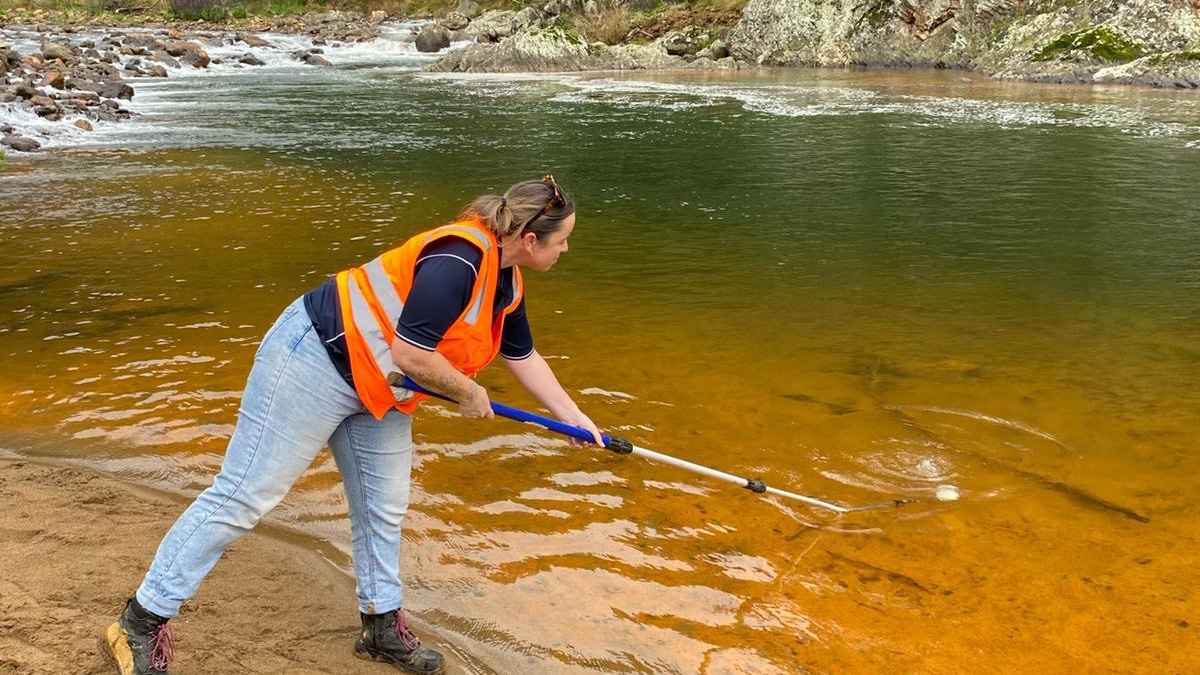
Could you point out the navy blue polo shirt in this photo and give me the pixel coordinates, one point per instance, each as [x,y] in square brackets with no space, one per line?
[442,282]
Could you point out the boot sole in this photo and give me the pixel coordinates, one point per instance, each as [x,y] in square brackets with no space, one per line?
[114,648]
[366,655]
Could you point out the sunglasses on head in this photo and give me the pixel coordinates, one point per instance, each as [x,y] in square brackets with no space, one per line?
[557,199]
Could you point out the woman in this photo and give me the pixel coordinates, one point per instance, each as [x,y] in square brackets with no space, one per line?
[437,309]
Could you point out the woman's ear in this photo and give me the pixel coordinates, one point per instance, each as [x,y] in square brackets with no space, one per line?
[529,239]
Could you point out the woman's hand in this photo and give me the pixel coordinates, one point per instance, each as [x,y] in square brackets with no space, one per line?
[580,420]
[477,404]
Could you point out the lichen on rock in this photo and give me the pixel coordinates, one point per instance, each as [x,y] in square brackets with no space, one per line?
[1100,42]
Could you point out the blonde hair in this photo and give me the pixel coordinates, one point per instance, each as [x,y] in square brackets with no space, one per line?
[537,206]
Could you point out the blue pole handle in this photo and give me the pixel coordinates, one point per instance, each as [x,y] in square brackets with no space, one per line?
[521,416]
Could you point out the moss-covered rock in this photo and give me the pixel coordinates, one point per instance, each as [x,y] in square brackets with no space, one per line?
[1099,42]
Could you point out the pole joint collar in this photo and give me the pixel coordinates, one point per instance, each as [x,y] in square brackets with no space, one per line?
[619,445]
[755,485]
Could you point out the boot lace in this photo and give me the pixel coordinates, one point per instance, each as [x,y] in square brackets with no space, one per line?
[164,647]
[405,633]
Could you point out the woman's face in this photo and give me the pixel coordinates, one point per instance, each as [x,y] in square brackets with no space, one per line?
[543,253]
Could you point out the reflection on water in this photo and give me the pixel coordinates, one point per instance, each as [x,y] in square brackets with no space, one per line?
[857,286]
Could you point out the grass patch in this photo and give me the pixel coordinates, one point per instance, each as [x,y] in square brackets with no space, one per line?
[1099,41]
[611,26]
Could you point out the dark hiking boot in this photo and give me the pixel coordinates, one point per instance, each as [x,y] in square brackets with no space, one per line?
[387,638]
[137,645]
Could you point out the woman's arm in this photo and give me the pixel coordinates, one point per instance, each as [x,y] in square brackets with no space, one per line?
[535,375]
[432,371]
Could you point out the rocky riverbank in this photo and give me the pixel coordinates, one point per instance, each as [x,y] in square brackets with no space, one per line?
[1144,42]
[79,76]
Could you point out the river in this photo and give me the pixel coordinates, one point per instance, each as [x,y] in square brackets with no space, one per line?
[858,285]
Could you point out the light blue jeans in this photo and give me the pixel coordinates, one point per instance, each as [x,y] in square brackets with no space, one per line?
[294,403]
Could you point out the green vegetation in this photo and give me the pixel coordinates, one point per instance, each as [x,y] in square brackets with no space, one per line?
[1099,41]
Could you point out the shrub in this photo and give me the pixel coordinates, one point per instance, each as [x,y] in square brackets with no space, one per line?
[611,26]
[206,10]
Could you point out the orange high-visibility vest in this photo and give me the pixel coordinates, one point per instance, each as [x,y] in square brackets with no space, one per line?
[373,295]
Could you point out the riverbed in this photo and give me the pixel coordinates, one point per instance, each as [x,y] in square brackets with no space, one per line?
[858,285]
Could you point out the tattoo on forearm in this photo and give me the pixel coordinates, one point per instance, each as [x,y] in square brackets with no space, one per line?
[442,383]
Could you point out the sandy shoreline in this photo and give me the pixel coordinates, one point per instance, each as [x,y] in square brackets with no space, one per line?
[76,544]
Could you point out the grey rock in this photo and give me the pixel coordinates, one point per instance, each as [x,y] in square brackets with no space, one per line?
[718,50]
[251,60]
[20,143]
[433,38]
[53,50]
[27,91]
[497,24]
[552,50]
[253,40]
[195,59]
[144,41]
[455,21]
[110,89]
[315,60]
[9,58]
[6,97]
[156,71]
[468,8]
[165,59]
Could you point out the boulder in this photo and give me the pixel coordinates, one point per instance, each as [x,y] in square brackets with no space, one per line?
[53,50]
[20,143]
[718,50]
[253,40]
[156,71]
[315,60]
[83,124]
[552,50]
[165,59]
[433,38]
[143,41]
[110,89]
[684,43]
[198,59]
[27,91]
[54,78]
[250,59]
[455,21]
[378,16]
[9,58]
[189,53]
[468,8]
[493,26]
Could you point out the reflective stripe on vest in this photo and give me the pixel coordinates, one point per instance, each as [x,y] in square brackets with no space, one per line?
[368,325]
